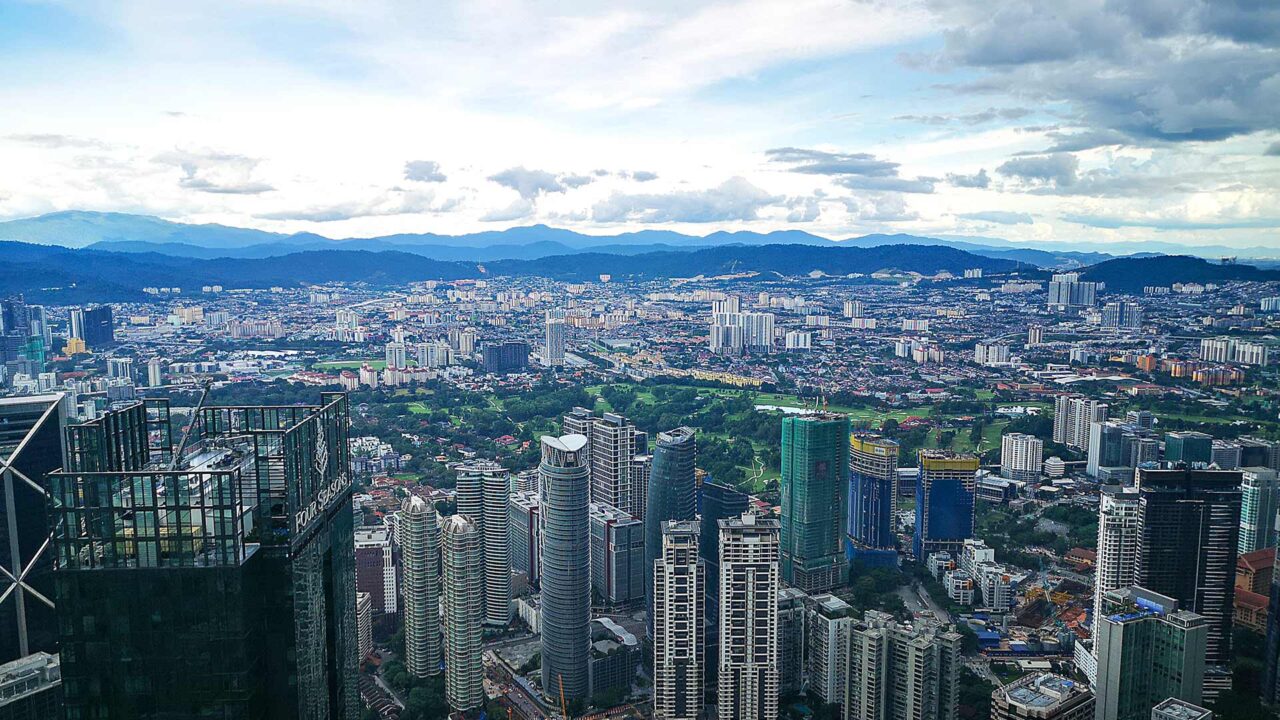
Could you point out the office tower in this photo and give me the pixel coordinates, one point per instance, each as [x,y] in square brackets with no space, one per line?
[678,623]
[376,569]
[512,355]
[1035,336]
[1066,290]
[418,533]
[873,498]
[901,672]
[945,486]
[1148,649]
[815,486]
[1021,457]
[1189,448]
[1122,314]
[462,612]
[483,491]
[97,329]
[612,447]
[1259,498]
[1224,455]
[244,555]
[1143,419]
[1118,539]
[1072,418]
[30,448]
[1175,709]
[617,557]
[75,323]
[553,355]
[523,530]
[1188,525]
[748,652]
[673,493]
[640,470]
[364,625]
[827,621]
[396,356]
[31,688]
[1116,448]
[1042,696]
[155,372]
[566,566]
[1259,452]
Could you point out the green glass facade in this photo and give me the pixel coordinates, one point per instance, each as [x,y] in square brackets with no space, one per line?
[815,496]
[223,588]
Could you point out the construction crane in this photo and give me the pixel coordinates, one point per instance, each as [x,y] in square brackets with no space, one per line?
[564,707]
[186,434]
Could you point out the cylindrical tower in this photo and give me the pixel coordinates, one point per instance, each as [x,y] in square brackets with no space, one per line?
[566,566]
[419,537]
[463,635]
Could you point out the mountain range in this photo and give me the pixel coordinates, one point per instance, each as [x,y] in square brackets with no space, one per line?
[121,232]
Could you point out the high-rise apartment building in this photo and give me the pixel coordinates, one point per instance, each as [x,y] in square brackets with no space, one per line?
[418,534]
[815,482]
[873,498]
[679,648]
[1188,525]
[1067,290]
[396,356]
[827,621]
[1259,501]
[1122,314]
[612,447]
[945,487]
[1148,649]
[617,557]
[901,672]
[31,448]
[673,493]
[244,554]
[508,356]
[553,348]
[483,492]
[1072,418]
[1021,457]
[716,502]
[462,612]
[565,566]
[1118,539]
[747,682]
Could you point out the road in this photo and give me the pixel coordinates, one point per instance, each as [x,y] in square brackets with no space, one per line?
[917,600]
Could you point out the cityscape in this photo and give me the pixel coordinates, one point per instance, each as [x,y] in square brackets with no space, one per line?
[728,416]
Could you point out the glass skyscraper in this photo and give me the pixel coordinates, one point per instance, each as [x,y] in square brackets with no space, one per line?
[815,481]
[221,586]
[673,495]
[945,489]
[566,566]
[873,499]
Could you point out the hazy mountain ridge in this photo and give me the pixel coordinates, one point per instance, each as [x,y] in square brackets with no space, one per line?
[1131,275]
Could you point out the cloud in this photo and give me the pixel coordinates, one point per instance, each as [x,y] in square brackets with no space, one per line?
[575,181]
[519,208]
[1111,222]
[1058,170]
[1001,217]
[1273,150]
[733,200]
[54,141]
[978,118]
[818,162]
[394,202]
[644,176]
[530,184]
[804,209]
[219,173]
[1084,140]
[889,184]
[979,179]
[887,208]
[423,171]
[1166,71]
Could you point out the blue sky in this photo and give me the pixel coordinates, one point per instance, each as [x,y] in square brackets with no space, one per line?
[1096,120]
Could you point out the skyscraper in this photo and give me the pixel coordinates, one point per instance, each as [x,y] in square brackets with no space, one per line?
[748,678]
[1189,448]
[553,354]
[1072,417]
[673,493]
[901,672]
[566,571]
[1118,539]
[678,623]
[1188,525]
[245,559]
[945,487]
[873,497]
[815,482]
[97,327]
[617,557]
[462,612]
[526,542]
[1148,649]
[1021,456]
[612,447]
[1260,497]
[419,537]
[483,491]
[30,448]
[376,571]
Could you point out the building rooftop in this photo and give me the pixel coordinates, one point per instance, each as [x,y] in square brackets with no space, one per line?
[1175,709]
[1044,690]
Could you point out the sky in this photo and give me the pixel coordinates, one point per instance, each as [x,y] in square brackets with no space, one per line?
[1093,120]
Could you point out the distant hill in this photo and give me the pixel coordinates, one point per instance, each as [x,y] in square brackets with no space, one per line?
[1130,275]
[54,274]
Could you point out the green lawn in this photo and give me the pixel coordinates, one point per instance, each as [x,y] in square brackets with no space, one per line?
[351,364]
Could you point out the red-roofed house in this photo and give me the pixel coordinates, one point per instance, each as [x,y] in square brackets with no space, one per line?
[1251,610]
[1254,570]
